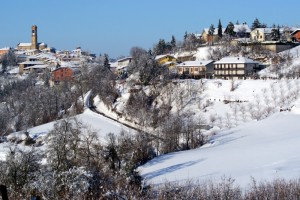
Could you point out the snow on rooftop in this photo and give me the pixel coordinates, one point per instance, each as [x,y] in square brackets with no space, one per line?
[32,63]
[124,59]
[161,56]
[264,30]
[46,55]
[23,44]
[113,64]
[68,64]
[5,48]
[229,59]
[121,67]
[39,66]
[241,27]
[195,63]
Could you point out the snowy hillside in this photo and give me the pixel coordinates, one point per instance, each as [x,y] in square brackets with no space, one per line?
[100,124]
[291,68]
[265,150]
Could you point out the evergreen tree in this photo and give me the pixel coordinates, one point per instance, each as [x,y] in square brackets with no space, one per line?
[173,42]
[230,29]
[220,32]
[256,24]
[275,34]
[211,30]
[237,22]
[160,48]
[278,32]
[185,36]
[150,52]
[106,61]
[264,25]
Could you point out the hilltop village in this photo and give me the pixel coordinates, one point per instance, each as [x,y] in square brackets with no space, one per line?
[225,53]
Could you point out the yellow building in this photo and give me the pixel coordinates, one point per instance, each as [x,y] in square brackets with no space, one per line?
[162,59]
[167,61]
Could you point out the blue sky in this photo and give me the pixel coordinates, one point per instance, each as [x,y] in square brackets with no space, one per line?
[114,26]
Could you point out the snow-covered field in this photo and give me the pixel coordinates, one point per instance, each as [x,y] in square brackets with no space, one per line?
[265,150]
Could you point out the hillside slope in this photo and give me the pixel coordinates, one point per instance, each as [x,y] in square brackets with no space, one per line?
[264,150]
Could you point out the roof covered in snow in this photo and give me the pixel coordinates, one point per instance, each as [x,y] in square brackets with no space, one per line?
[39,66]
[195,63]
[22,44]
[113,64]
[295,31]
[5,48]
[238,59]
[32,63]
[162,56]
[241,27]
[264,30]
[124,59]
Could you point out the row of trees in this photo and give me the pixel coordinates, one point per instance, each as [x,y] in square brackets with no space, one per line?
[190,42]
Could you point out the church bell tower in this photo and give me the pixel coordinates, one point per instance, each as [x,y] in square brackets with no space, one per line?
[34,44]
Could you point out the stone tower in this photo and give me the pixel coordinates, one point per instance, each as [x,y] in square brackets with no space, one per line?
[34,44]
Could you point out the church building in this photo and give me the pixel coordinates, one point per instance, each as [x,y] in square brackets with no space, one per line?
[34,45]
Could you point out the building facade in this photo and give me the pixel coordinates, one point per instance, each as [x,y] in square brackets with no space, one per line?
[296,36]
[235,68]
[261,34]
[196,69]
[63,74]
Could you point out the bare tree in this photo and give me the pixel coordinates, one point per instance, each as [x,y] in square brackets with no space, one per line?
[63,144]
[20,169]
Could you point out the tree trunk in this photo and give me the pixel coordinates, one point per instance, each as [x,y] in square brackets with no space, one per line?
[3,192]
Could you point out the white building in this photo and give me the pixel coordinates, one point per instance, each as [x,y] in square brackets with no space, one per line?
[235,67]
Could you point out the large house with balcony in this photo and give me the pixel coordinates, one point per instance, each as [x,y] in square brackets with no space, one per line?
[235,68]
